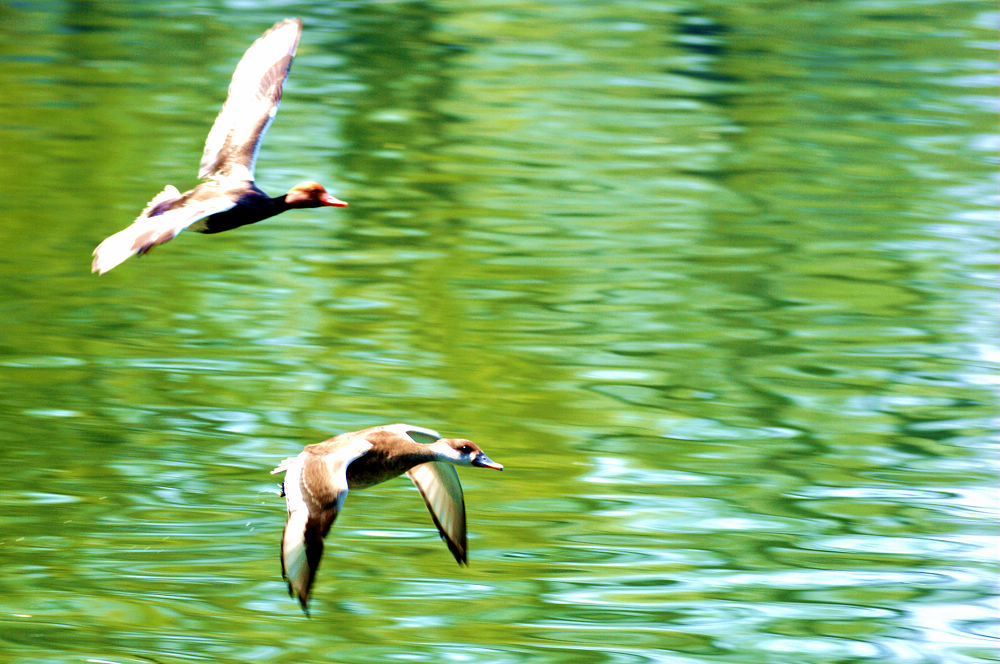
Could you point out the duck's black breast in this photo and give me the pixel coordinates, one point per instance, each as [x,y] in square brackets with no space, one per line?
[252,205]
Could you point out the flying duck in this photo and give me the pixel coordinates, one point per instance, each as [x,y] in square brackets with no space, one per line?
[318,478]
[228,198]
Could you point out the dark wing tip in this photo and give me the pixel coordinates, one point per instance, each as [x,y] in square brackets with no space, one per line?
[458,549]
[461,556]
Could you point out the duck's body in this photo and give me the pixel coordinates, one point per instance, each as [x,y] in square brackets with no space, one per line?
[317,481]
[228,198]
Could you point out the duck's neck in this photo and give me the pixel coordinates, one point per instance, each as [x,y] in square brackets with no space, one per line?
[275,205]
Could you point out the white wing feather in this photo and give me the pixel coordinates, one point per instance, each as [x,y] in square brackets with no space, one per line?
[252,102]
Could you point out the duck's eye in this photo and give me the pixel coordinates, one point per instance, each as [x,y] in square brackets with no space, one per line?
[465,449]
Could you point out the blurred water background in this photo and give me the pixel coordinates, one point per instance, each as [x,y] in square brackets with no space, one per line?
[715,281]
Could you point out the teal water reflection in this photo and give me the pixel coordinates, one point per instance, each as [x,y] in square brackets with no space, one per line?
[716,284]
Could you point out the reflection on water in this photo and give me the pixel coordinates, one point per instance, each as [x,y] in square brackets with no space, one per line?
[715,285]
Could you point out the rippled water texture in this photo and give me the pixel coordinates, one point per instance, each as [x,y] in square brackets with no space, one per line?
[715,281]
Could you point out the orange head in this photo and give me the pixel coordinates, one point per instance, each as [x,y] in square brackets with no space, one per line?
[310,195]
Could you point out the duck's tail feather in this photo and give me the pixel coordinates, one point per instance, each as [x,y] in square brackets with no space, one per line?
[116,249]
[160,222]
[138,238]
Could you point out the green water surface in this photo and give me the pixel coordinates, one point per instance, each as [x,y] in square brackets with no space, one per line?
[716,282]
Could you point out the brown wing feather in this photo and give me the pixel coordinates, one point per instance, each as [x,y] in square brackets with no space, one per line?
[315,488]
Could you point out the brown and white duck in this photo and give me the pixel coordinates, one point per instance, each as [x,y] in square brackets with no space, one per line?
[317,481]
[229,198]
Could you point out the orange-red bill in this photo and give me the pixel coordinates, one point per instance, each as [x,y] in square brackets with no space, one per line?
[333,201]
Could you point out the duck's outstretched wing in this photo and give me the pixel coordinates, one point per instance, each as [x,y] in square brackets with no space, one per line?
[315,488]
[442,492]
[254,93]
[157,224]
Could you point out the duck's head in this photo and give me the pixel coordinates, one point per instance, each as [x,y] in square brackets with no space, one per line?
[463,452]
[310,195]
